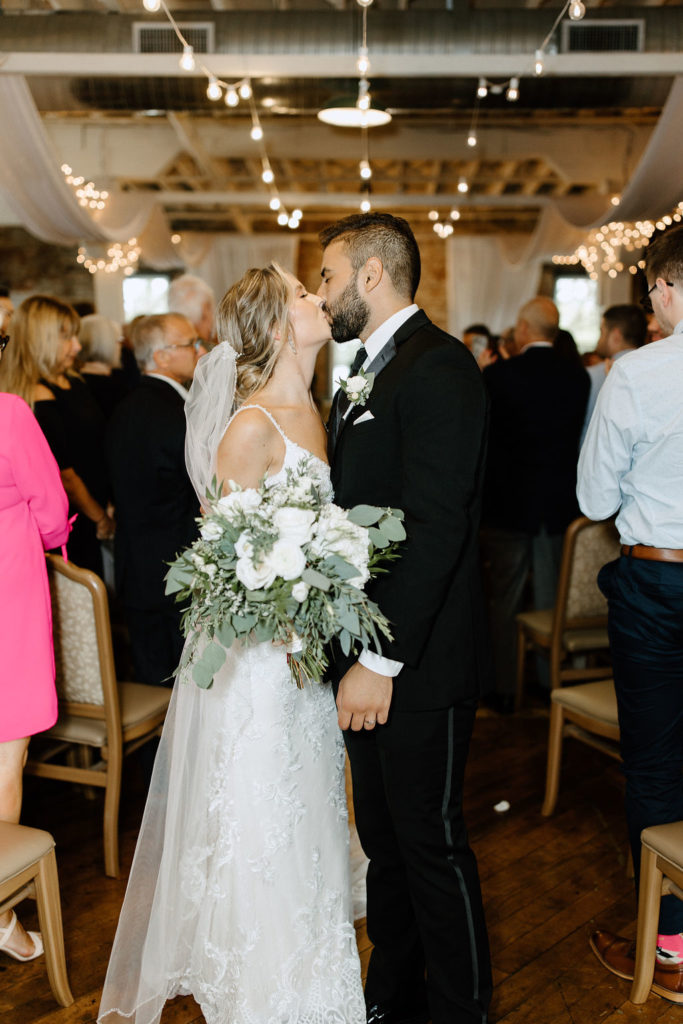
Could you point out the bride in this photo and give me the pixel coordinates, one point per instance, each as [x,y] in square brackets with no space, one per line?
[239,892]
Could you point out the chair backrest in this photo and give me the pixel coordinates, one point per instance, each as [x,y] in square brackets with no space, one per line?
[587,547]
[84,659]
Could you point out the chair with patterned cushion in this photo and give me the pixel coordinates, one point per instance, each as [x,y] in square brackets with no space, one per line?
[95,712]
[577,625]
[28,868]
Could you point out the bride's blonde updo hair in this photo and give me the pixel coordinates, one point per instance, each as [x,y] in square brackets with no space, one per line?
[247,319]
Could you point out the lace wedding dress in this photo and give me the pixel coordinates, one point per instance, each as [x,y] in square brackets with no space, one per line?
[239,892]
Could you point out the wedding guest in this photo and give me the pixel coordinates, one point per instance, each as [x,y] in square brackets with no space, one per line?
[33,516]
[477,338]
[654,330]
[100,361]
[566,348]
[154,499]
[623,329]
[631,464]
[194,299]
[538,401]
[6,309]
[39,367]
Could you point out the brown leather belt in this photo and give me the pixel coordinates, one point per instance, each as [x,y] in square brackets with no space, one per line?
[652,554]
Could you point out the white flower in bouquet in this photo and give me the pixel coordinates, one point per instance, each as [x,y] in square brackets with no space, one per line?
[286,559]
[336,535]
[244,547]
[295,524]
[254,577]
[239,501]
[211,530]
[300,591]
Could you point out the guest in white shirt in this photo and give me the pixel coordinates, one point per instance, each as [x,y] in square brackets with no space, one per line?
[632,464]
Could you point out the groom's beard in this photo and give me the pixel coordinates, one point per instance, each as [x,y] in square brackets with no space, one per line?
[350,313]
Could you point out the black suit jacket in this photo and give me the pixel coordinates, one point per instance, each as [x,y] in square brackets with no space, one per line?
[424,452]
[155,502]
[538,403]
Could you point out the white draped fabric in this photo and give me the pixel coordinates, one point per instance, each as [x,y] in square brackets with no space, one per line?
[482,287]
[231,255]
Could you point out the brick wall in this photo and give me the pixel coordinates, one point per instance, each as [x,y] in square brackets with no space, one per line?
[32,267]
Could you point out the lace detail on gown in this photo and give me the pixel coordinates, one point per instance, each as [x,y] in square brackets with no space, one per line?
[239,892]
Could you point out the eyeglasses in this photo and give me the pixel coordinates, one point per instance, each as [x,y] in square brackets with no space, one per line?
[4,342]
[196,344]
[646,301]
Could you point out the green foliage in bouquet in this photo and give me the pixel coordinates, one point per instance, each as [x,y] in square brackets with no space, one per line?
[282,565]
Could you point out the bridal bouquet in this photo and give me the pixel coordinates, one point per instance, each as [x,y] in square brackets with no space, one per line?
[281,564]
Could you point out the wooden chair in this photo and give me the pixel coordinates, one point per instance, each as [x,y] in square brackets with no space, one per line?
[661,873]
[578,622]
[28,867]
[96,712]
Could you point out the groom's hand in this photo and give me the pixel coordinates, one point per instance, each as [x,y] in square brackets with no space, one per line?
[363,698]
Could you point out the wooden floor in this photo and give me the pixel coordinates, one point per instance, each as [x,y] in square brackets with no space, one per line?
[547,883]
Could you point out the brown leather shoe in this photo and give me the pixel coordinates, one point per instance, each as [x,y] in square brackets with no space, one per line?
[618,955]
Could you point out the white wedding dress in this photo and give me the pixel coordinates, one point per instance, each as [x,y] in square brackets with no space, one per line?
[239,892]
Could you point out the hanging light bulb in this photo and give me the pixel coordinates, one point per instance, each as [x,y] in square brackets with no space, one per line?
[231,97]
[365,170]
[297,214]
[187,59]
[577,9]
[482,89]
[363,62]
[365,206]
[364,3]
[151,5]
[256,132]
[282,218]
[463,187]
[293,223]
[512,93]
[245,91]
[538,65]
[267,176]
[472,140]
[275,203]
[214,91]
[433,214]
[455,213]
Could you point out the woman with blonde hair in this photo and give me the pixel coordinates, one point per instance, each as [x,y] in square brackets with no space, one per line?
[239,892]
[38,367]
[33,515]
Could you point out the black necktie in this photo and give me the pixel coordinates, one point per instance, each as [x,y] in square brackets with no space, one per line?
[358,360]
[341,402]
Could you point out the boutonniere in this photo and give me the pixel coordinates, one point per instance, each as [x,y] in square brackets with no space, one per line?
[357,389]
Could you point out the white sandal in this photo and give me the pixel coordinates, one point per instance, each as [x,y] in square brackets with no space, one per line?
[5,934]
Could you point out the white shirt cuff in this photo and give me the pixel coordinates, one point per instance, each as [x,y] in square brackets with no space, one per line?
[383,666]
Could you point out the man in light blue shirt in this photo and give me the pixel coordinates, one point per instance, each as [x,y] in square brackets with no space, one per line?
[632,464]
[623,329]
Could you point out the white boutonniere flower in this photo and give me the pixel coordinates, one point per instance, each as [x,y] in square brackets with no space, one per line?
[357,389]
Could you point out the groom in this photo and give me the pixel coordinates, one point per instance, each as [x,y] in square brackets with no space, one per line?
[418,444]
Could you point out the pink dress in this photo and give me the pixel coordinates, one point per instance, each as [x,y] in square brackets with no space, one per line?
[33,516]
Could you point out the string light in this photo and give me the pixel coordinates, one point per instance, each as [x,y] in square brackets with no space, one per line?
[482,89]
[282,218]
[472,140]
[267,175]
[433,214]
[455,213]
[231,97]
[275,203]
[256,132]
[365,170]
[577,9]
[538,63]
[176,239]
[245,90]
[512,92]
[151,5]
[365,205]
[187,61]
[118,257]
[87,195]
[463,186]
[214,91]
[363,62]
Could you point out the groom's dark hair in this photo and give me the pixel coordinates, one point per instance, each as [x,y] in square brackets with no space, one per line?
[389,238]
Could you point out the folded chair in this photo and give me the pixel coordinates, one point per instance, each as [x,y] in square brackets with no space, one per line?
[96,713]
[578,622]
[28,868]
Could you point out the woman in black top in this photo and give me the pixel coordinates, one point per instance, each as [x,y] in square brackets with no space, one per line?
[44,347]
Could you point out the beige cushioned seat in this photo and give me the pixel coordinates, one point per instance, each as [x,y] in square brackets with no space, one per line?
[138,702]
[665,840]
[20,847]
[597,700]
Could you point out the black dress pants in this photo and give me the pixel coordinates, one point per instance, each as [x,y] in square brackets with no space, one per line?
[645,624]
[425,911]
[156,643]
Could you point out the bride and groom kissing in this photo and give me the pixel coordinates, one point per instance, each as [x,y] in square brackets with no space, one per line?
[239,891]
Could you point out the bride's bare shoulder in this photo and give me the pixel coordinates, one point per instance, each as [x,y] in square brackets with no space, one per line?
[251,429]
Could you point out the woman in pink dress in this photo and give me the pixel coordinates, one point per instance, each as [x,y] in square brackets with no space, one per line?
[33,516]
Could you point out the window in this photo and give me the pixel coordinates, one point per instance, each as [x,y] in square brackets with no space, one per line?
[576,297]
[145,294]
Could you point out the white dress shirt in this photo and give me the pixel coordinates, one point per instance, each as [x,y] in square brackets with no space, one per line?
[373,347]
[632,458]
[183,392]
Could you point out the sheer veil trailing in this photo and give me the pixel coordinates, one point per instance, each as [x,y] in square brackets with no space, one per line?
[208,410]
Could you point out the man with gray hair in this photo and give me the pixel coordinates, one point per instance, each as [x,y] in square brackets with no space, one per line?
[155,502]
[194,298]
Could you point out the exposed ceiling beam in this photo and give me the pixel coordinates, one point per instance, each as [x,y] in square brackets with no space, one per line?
[306,200]
[306,65]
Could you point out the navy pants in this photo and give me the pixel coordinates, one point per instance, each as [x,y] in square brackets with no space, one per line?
[646,640]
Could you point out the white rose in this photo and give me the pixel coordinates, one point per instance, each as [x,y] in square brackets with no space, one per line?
[300,591]
[254,577]
[355,385]
[210,570]
[211,530]
[286,559]
[243,545]
[239,501]
[294,524]
[198,560]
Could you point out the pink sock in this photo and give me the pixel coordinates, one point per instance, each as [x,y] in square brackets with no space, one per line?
[670,949]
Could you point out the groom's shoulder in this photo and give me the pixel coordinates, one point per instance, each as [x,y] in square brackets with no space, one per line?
[429,345]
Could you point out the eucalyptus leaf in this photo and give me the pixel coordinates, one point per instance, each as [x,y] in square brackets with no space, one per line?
[316,579]
[378,538]
[244,623]
[392,529]
[365,515]
[345,641]
[226,634]
[179,577]
[338,566]
[206,667]
[263,631]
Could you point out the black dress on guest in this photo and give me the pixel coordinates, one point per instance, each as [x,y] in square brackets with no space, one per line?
[74,427]
[107,389]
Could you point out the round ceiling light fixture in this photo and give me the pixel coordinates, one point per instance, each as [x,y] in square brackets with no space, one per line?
[343,112]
